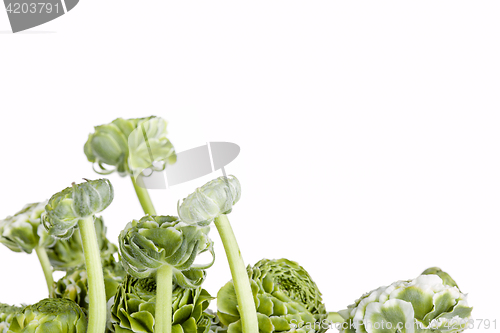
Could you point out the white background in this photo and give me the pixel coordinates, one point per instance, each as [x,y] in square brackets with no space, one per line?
[369,131]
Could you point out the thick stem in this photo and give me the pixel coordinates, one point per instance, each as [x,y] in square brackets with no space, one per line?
[97,294]
[241,281]
[163,316]
[46,267]
[144,198]
[334,317]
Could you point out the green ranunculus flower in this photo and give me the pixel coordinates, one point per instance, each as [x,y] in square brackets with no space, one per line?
[286,298]
[425,304]
[7,313]
[130,145]
[134,308]
[211,200]
[154,241]
[74,285]
[66,208]
[75,207]
[23,231]
[50,316]
[68,254]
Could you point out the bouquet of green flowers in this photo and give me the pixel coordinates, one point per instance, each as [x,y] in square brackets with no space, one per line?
[150,283]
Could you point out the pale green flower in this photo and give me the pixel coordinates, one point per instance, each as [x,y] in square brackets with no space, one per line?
[154,241]
[425,304]
[23,231]
[66,208]
[75,207]
[211,200]
[286,298]
[130,145]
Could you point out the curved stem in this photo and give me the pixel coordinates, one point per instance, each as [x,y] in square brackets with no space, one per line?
[241,281]
[163,316]
[46,267]
[144,198]
[97,294]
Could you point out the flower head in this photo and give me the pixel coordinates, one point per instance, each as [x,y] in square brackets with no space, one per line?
[130,145]
[154,241]
[286,298]
[66,208]
[425,304]
[23,231]
[50,316]
[211,200]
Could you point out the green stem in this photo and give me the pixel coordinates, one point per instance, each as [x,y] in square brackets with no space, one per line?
[46,267]
[334,317]
[163,317]
[97,294]
[241,281]
[144,198]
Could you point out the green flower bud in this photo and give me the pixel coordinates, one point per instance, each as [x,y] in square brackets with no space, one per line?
[211,200]
[74,284]
[154,241]
[50,316]
[425,304]
[443,275]
[67,254]
[134,308]
[66,208]
[23,231]
[130,146]
[7,313]
[286,298]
